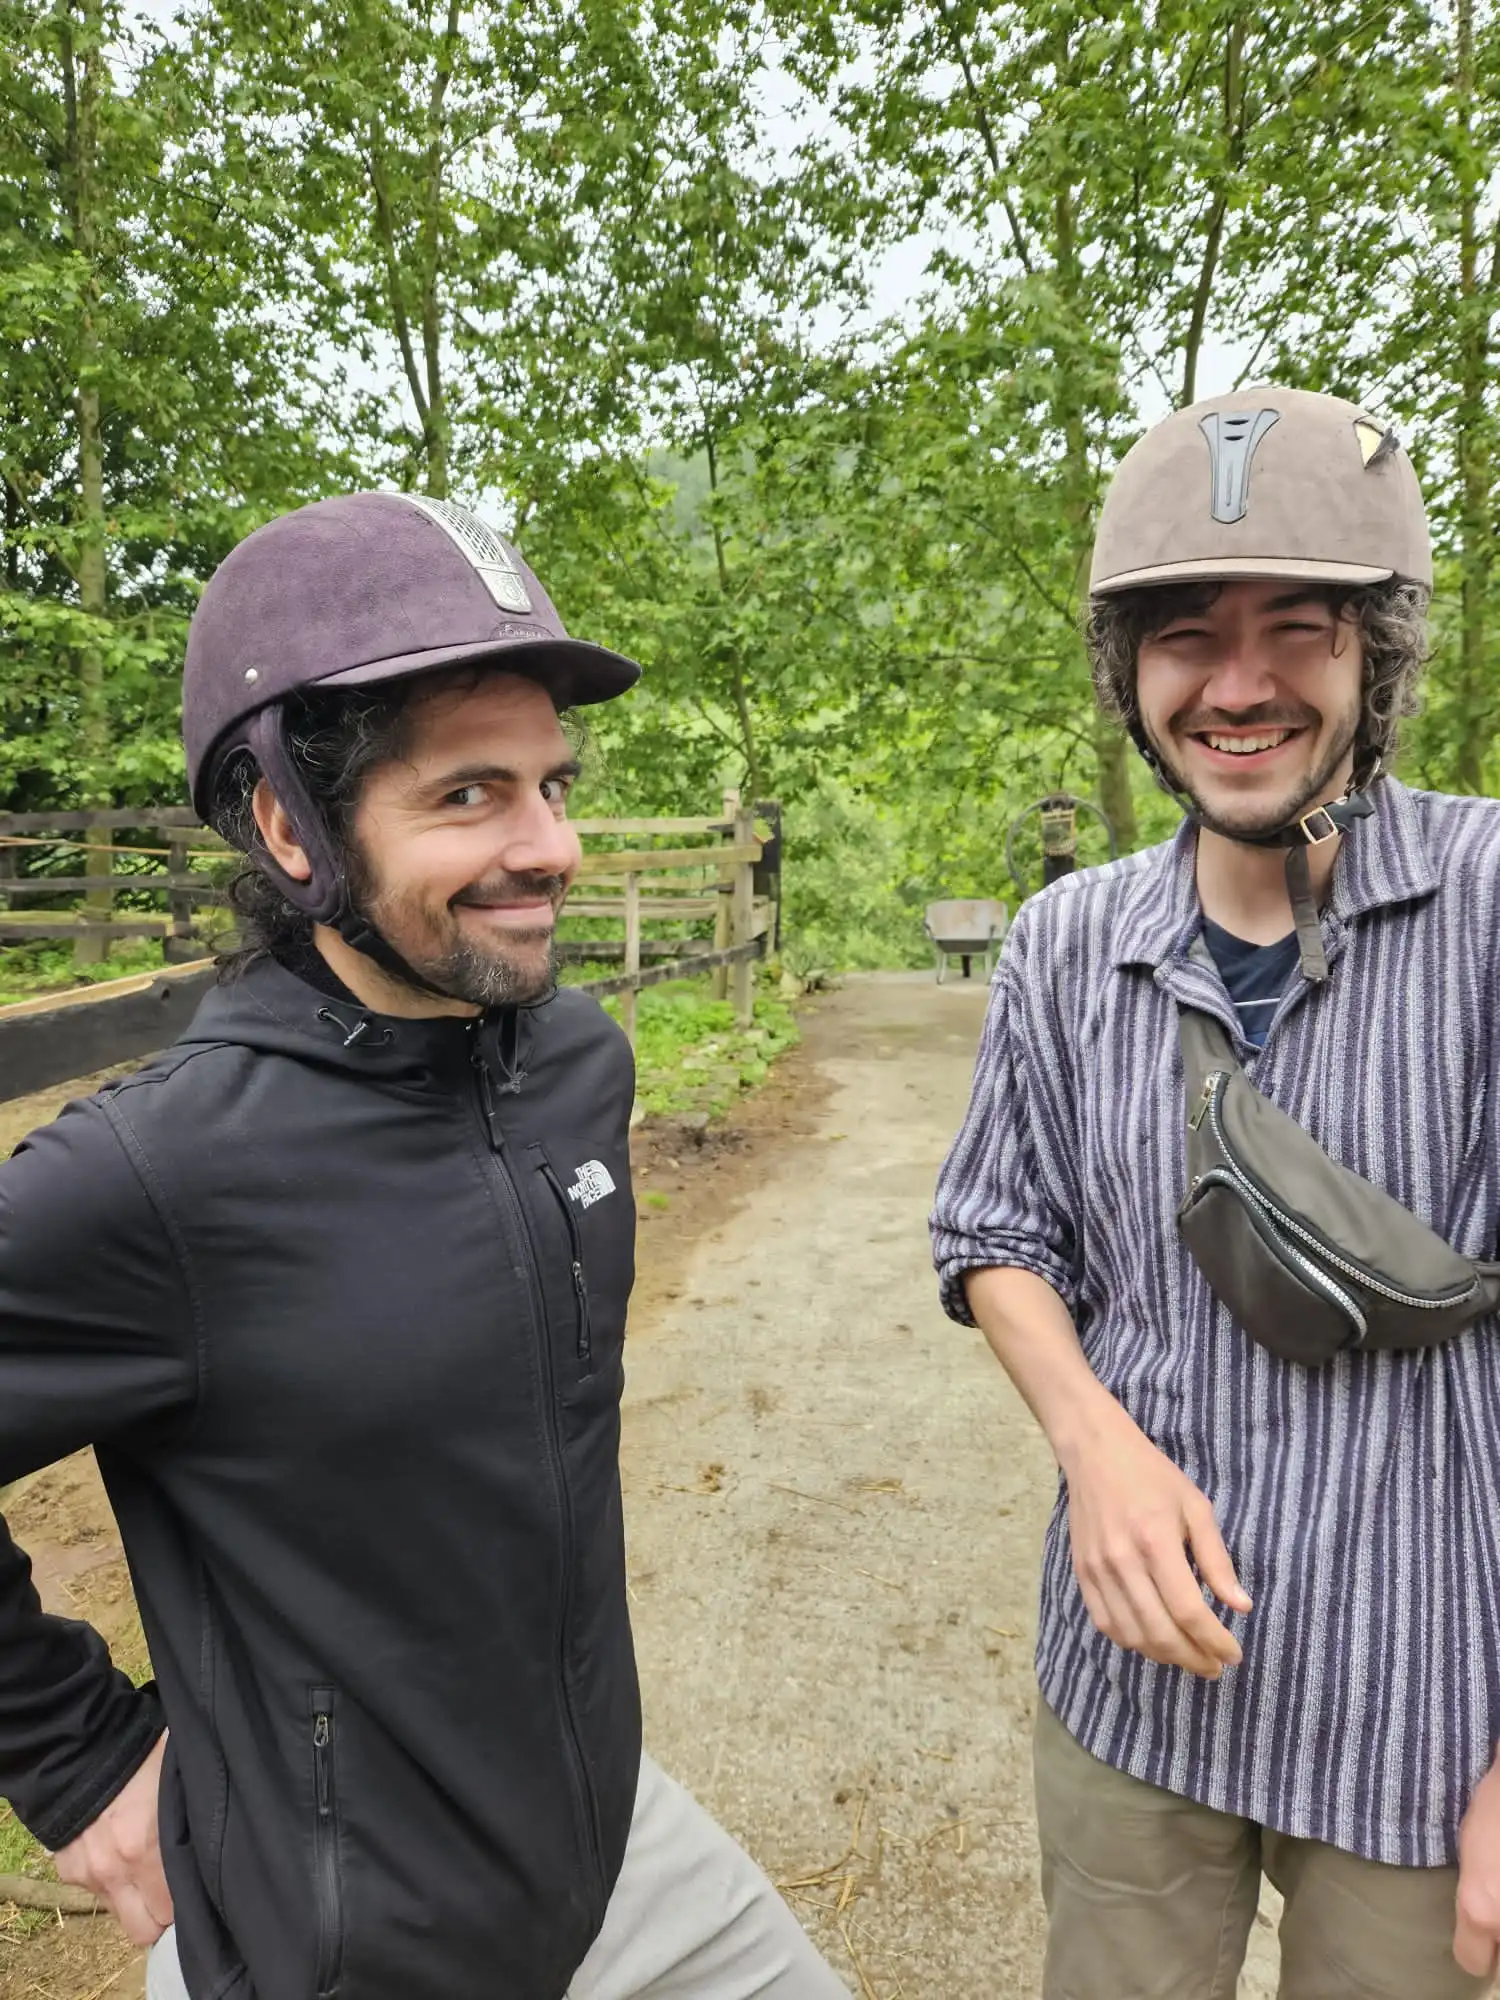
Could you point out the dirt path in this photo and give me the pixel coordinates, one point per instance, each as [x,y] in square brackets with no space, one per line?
[835,1509]
[835,1505]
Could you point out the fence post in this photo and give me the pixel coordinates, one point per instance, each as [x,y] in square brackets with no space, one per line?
[180,903]
[632,950]
[7,872]
[768,870]
[724,915]
[91,937]
[742,923]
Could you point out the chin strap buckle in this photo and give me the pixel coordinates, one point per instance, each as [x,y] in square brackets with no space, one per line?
[1321,819]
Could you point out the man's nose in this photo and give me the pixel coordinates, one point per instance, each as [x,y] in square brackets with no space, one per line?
[1241,676]
[539,843]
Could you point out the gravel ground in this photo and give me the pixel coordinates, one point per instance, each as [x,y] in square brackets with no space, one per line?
[835,1508]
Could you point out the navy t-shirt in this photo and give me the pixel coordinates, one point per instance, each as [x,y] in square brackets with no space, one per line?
[1255,975]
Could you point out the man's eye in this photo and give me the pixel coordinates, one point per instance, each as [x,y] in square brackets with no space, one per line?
[555,790]
[466,795]
[1182,632]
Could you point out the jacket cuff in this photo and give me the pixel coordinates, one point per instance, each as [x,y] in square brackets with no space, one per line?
[82,1803]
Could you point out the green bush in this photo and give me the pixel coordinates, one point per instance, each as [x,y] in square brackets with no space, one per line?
[47,966]
[689,1054]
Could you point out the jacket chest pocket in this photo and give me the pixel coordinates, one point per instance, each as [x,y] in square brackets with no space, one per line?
[589,1236]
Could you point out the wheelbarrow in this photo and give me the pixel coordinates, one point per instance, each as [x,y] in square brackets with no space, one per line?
[967,930]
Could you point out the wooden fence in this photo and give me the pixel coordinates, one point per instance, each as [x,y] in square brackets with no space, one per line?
[718,868]
[158,866]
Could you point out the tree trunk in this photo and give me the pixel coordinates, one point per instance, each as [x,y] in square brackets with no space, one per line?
[435,419]
[1472,444]
[83,61]
[1234,95]
[1111,747]
[1114,759]
[739,692]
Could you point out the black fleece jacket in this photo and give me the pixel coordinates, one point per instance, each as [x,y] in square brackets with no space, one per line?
[340,1302]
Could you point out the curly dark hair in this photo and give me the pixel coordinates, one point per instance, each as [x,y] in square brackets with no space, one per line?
[337,739]
[1391,619]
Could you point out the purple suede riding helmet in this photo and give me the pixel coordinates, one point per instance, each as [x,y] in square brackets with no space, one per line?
[348,592]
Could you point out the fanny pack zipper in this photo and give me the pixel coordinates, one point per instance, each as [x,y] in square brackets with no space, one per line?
[1212,1099]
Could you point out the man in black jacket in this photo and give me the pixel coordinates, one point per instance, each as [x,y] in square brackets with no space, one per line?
[336,1288]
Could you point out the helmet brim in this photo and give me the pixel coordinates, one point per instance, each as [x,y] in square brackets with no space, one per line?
[1239,569]
[575,672]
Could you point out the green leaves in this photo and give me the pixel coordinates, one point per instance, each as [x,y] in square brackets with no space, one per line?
[623,274]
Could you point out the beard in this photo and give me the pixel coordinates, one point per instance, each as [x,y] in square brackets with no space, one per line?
[512,968]
[1257,818]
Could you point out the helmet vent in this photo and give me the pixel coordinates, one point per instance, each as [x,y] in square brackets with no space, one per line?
[1232,439]
[481,547]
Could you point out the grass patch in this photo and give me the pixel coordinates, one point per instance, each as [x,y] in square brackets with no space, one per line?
[689,1054]
[21,1855]
[47,966]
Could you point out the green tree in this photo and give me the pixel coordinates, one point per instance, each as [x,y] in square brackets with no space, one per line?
[1109,190]
[154,402]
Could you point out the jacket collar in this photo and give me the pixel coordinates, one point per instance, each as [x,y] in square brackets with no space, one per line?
[1382,861]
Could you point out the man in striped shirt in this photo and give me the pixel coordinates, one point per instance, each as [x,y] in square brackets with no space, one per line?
[1270,1619]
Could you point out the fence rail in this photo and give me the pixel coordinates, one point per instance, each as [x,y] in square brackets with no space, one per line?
[55,1038]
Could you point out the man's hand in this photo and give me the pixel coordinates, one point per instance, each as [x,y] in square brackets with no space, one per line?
[1132,1518]
[1476,1933]
[119,1859]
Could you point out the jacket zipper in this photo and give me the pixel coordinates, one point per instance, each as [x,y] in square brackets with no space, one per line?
[1418,1301]
[325,1843]
[584,1797]
[575,1251]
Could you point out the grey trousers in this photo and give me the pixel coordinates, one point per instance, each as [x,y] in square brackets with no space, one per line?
[691,1918]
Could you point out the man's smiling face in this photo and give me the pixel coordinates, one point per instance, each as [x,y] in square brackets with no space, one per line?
[462,851]
[1251,700]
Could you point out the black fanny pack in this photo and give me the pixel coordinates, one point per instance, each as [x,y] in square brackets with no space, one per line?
[1309,1257]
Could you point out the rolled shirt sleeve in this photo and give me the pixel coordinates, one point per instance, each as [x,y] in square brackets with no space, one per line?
[992,1206]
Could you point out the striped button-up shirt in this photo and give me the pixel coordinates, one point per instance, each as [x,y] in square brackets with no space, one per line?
[1360,1501]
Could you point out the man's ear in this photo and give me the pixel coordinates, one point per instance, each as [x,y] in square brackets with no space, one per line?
[277,832]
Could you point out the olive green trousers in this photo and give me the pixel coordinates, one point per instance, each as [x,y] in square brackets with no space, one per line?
[1151,1897]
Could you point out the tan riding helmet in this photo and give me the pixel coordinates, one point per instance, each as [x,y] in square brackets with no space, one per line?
[1263,483]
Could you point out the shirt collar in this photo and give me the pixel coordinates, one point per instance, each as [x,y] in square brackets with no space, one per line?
[1383,861]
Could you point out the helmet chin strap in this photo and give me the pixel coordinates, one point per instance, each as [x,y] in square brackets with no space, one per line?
[324,897]
[1309,829]
[1312,829]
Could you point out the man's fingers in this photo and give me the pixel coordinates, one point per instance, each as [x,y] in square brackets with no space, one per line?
[1184,1601]
[1114,1617]
[1474,1948]
[1126,1607]
[1212,1557]
[1163,1637]
[133,1915]
[154,1893]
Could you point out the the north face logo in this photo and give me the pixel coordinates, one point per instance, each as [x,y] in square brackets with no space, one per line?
[594,1182]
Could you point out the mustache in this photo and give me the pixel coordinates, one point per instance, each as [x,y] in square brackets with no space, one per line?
[508,888]
[1270,715]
